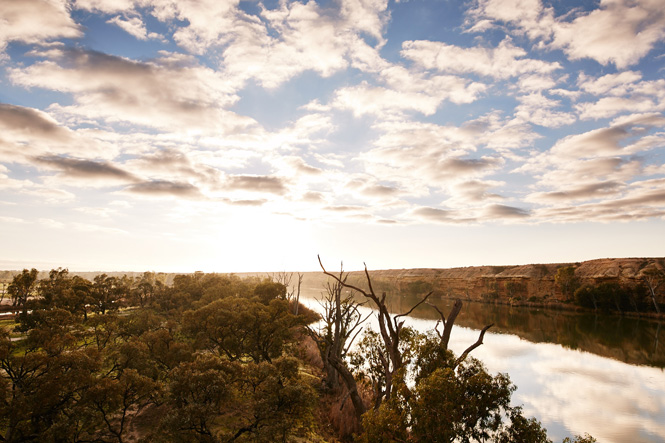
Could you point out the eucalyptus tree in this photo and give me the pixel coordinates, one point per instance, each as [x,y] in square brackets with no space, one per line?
[22,287]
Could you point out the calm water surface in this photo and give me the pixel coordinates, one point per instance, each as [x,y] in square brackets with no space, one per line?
[576,373]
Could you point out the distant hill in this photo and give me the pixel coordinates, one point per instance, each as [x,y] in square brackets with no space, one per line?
[521,282]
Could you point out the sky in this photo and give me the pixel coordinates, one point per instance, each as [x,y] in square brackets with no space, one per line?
[230,136]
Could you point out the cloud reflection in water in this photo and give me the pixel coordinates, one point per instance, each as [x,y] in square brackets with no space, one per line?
[573,392]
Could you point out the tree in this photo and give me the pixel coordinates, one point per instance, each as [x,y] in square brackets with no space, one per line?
[42,379]
[451,401]
[51,289]
[21,288]
[586,297]
[269,290]
[340,324]
[200,393]
[580,439]
[240,327]
[567,281]
[106,293]
[292,292]
[112,402]
[653,278]
[392,356]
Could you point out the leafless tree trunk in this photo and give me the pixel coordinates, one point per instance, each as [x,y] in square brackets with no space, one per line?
[297,295]
[292,292]
[342,323]
[390,327]
[653,278]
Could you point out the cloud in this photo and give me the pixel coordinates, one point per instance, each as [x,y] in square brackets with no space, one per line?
[313,197]
[473,192]
[28,131]
[603,167]
[540,110]
[30,123]
[300,166]
[585,192]
[163,188]
[620,93]
[85,169]
[35,21]
[612,140]
[308,37]
[48,195]
[616,84]
[133,26]
[249,203]
[106,6]
[256,183]
[365,99]
[436,215]
[421,158]
[640,201]
[503,62]
[169,163]
[528,16]
[159,93]
[504,212]
[618,31]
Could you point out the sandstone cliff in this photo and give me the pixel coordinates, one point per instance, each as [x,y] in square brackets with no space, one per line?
[525,282]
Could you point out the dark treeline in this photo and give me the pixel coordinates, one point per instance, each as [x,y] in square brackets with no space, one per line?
[217,358]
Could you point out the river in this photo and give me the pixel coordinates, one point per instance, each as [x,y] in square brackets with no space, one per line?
[574,372]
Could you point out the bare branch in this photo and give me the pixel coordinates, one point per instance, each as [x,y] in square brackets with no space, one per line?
[473,346]
[342,282]
[450,322]
[414,307]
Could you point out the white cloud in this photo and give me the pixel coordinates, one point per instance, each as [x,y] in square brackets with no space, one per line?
[540,110]
[157,94]
[503,62]
[107,6]
[620,93]
[605,168]
[133,26]
[29,132]
[616,84]
[618,31]
[35,21]
[423,158]
[366,99]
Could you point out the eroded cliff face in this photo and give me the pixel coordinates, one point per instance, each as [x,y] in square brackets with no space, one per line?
[526,282]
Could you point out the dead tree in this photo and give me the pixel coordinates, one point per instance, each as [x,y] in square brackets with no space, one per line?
[390,327]
[292,292]
[342,323]
[296,298]
[653,277]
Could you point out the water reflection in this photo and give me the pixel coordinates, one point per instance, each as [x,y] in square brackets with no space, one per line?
[570,370]
[631,340]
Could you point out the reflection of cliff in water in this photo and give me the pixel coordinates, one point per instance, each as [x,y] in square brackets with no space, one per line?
[631,340]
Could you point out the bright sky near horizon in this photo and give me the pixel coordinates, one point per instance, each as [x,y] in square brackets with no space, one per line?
[229,136]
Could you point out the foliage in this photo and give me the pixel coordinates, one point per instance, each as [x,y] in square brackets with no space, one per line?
[86,369]
[21,287]
[449,402]
[580,439]
[567,281]
[240,327]
[213,358]
[611,296]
